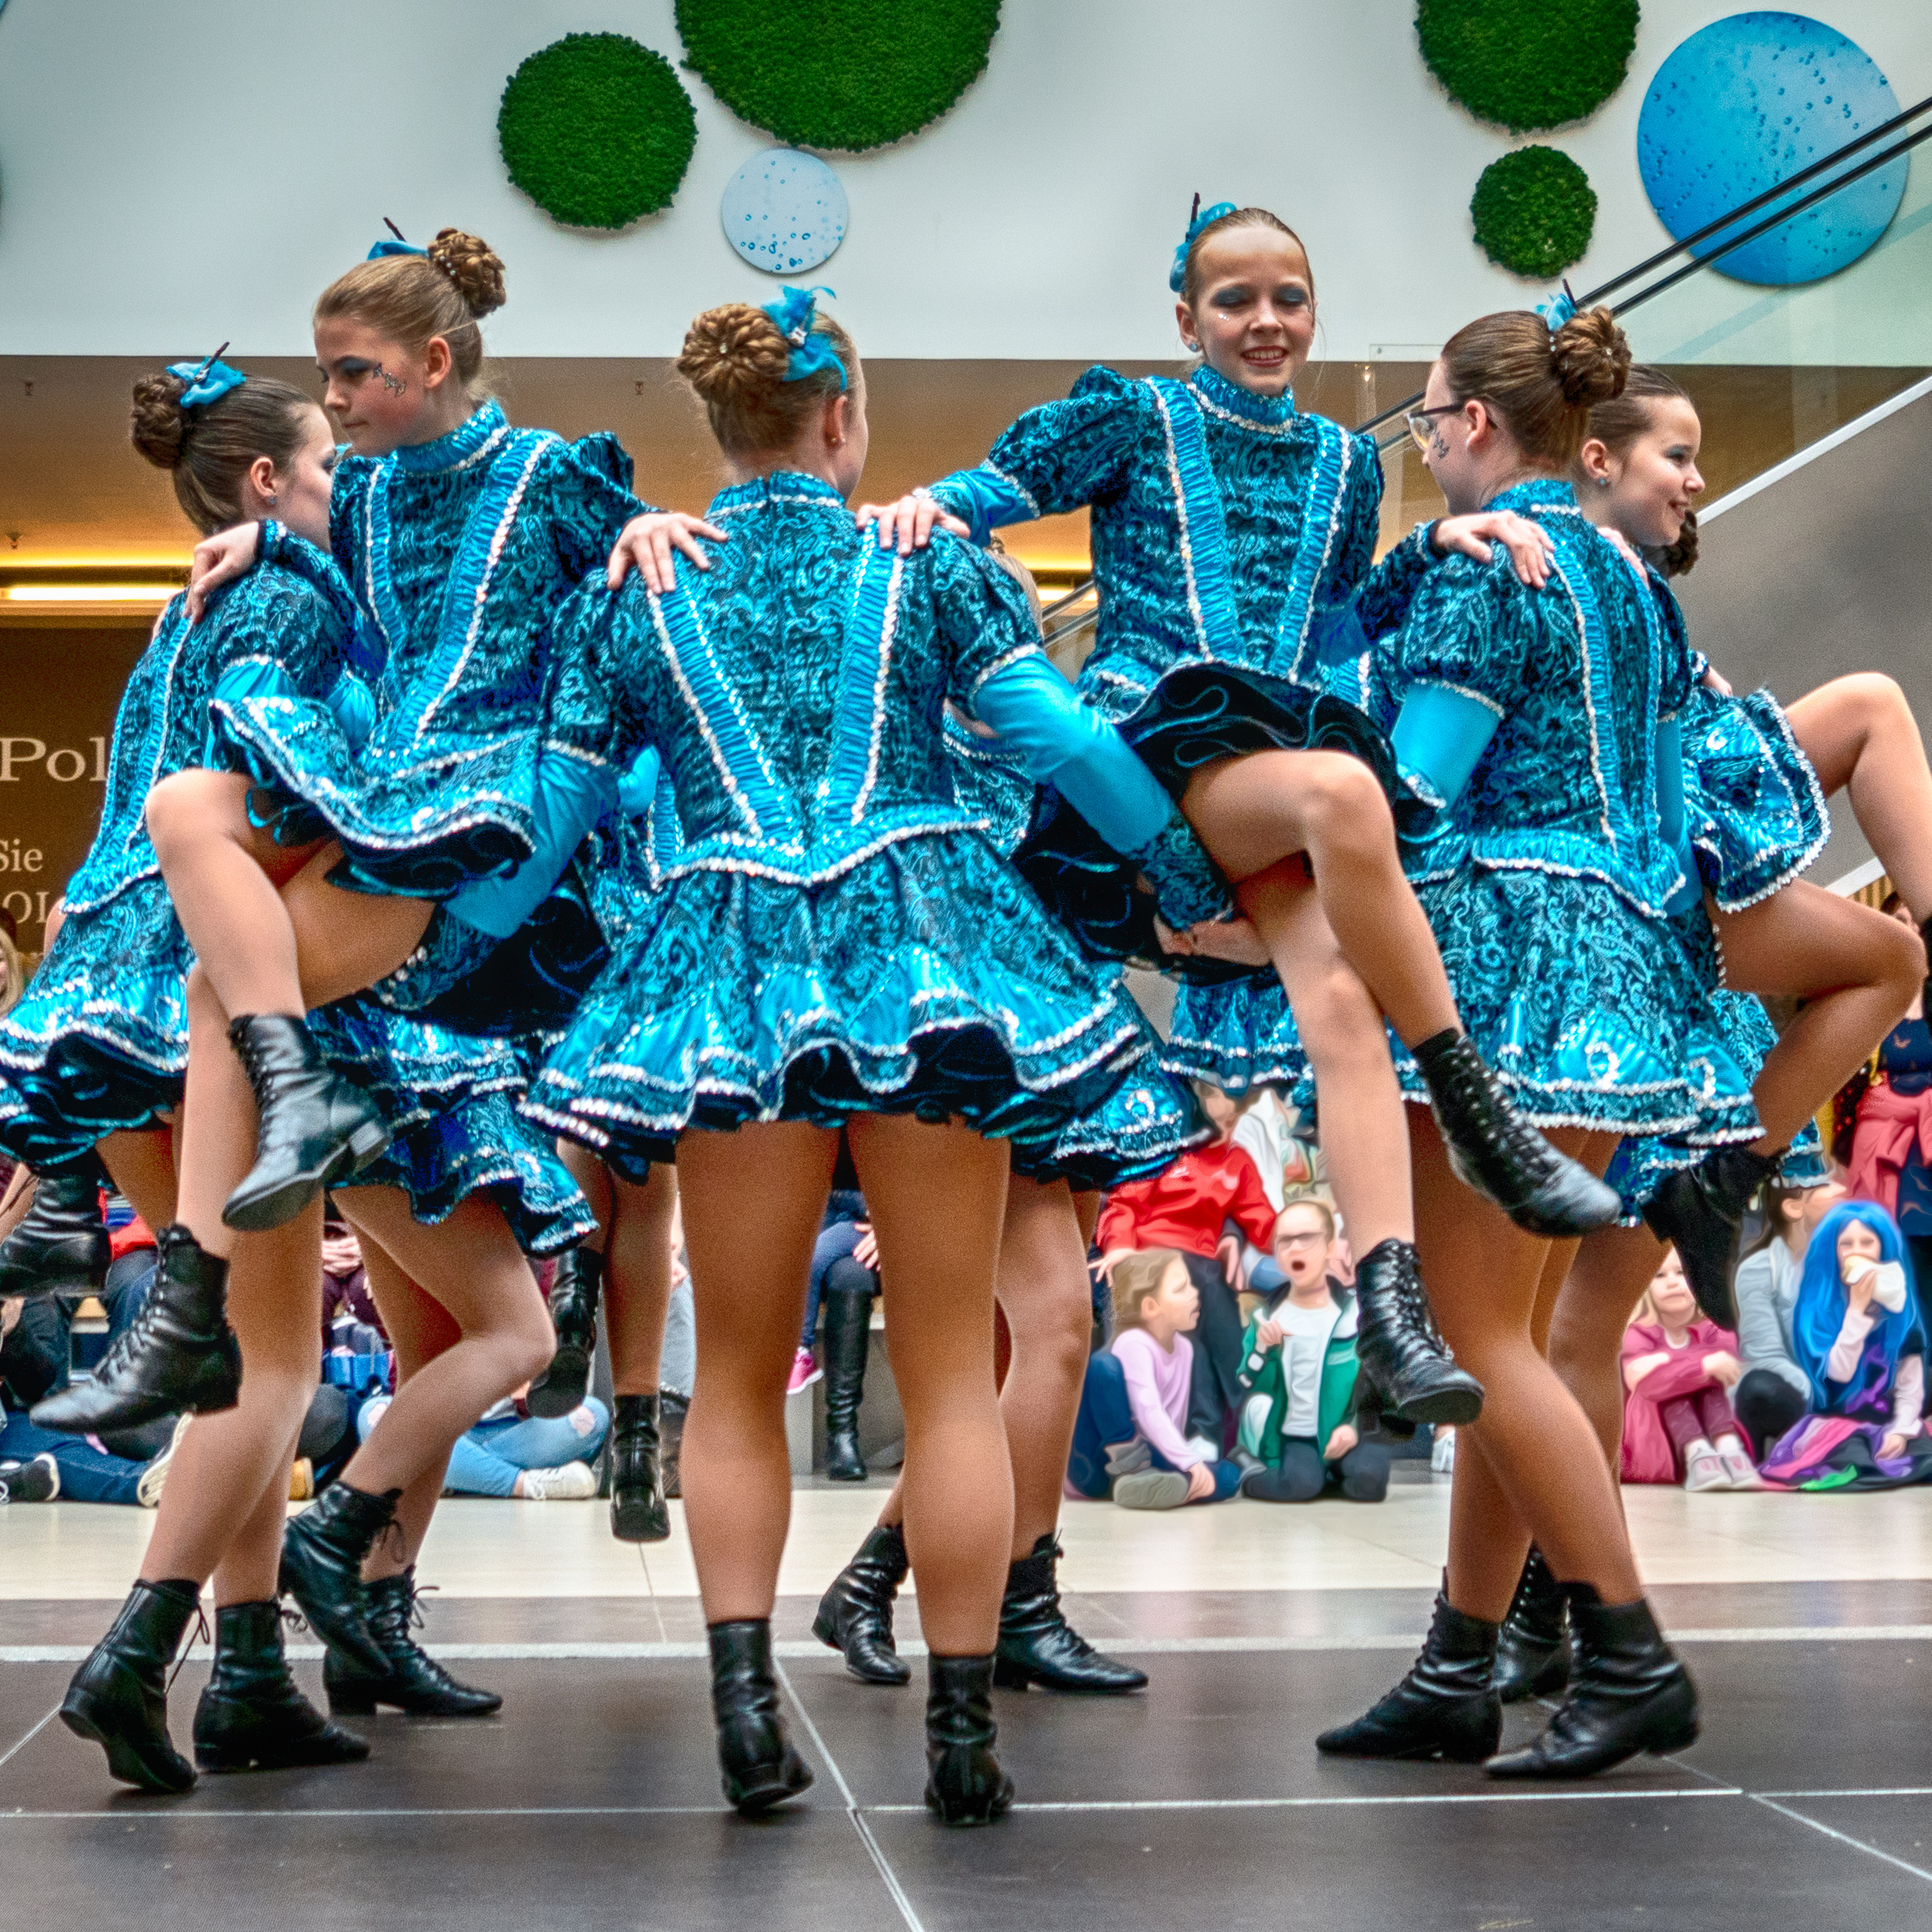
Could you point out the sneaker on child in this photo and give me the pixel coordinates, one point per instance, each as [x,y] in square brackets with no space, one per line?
[574,1482]
[35,1482]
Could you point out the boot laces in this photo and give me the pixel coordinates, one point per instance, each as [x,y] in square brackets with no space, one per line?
[202,1634]
[1470,1081]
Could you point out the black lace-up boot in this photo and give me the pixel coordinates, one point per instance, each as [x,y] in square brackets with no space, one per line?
[118,1698]
[1628,1692]
[1400,1349]
[848,1336]
[964,1782]
[1443,1708]
[179,1356]
[1495,1151]
[855,1615]
[760,1769]
[323,1551]
[61,1246]
[638,1512]
[251,1716]
[1533,1653]
[1037,1644]
[316,1126]
[1699,1211]
[414,1681]
[574,1297]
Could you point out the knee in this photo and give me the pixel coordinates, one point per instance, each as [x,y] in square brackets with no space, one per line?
[1340,1022]
[1904,963]
[1881,700]
[1343,804]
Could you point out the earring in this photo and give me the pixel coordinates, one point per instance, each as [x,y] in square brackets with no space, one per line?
[271,498]
[1603,482]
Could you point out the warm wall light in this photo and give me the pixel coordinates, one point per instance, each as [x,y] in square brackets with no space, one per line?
[90,593]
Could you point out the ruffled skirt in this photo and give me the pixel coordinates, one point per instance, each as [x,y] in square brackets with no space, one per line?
[926,980]
[1753,803]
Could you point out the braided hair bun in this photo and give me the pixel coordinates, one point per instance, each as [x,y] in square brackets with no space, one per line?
[733,355]
[159,428]
[1591,358]
[472,266]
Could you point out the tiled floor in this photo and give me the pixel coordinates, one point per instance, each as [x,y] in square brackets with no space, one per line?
[592,1801]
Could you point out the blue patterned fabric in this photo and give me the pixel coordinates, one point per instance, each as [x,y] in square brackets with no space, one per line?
[834,936]
[99,1041]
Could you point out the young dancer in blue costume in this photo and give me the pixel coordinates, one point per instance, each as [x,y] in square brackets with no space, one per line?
[1232,536]
[1541,725]
[839,947]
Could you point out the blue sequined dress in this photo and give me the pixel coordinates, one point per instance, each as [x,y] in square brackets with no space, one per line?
[1232,537]
[837,936]
[99,1042]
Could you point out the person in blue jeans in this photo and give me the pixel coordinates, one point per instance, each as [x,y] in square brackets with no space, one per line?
[531,1458]
[843,1279]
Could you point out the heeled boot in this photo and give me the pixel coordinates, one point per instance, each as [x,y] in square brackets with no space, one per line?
[316,1126]
[574,1297]
[414,1682]
[179,1357]
[848,1336]
[61,1246]
[1533,1652]
[760,1767]
[855,1615]
[1399,1347]
[1495,1151]
[1629,1692]
[964,1782]
[1443,1708]
[1037,1644]
[1699,1210]
[118,1697]
[638,1512]
[251,1716]
[322,1550]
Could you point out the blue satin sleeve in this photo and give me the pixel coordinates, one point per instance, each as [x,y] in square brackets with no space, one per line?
[639,785]
[984,500]
[349,700]
[570,796]
[1440,736]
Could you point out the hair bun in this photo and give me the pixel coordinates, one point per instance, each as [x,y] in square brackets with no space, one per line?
[472,266]
[1591,357]
[733,354]
[159,428]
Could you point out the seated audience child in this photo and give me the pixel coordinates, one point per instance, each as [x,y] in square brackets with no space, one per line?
[1299,1373]
[1129,1439]
[1677,1365]
[1773,1392]
[534,1459]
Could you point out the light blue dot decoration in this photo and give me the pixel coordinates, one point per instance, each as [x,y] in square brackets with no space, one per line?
[784,211]
[1745,103]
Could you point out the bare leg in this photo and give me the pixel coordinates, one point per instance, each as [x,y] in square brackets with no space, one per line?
[637,1278]
[250,1571]
[1860,734]
[597,1182]
[1612,1268]
[141,1166]
[346,941]
[216,1143]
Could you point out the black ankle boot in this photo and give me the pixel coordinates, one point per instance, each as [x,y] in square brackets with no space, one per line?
[760,1768]
[60,1245]
[856,1614]
[1400,1349]
[574,1297]
[1443,1708]
[179,1356]
[848,1335]
[1699,1211]
[1533,1653]
[322,1550]
[672,1409]
[251,1716]
[1495,1151]
[316,1126]
[1628,1692]
[964,1782]
[638,1512]
[1037,1644]
[414,1681]
[118,1697]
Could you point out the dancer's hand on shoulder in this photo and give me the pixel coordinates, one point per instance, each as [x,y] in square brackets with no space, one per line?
[220,560]
[1530,550]
[908,524]
[646,544]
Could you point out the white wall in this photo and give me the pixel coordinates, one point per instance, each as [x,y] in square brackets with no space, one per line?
[176,171]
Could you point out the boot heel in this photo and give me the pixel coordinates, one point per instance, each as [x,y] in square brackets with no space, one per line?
[964,1783]
[825,1630]
[348,1703]
[965,1786]
[1010,1676]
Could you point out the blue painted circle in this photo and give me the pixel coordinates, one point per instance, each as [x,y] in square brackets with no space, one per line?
[783,211]
[1745,103]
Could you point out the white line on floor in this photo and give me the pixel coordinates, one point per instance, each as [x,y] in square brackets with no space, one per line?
[21,1743]
[1843,1837]
[1312,1804]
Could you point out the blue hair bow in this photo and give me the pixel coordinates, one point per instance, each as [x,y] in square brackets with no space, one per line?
[793,314]
[207,382]
[1177,274]
[388,247]
[1559,309]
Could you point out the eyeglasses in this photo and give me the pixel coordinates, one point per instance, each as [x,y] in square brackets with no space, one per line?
[1422,423]
[1312,1237]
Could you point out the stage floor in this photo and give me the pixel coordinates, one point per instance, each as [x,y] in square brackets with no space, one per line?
[592,1801]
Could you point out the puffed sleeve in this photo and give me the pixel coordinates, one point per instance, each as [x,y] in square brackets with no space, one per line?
[349,510]
[1059,457]
[981,612]
[587,642]
[588,498]
[272,618]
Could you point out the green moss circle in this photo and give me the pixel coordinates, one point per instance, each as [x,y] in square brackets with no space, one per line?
[1535,210]
[843,74]
[596,129]
[1529,64]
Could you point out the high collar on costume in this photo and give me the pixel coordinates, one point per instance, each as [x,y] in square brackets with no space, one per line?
[461,443]
[1539,492]
[778,486]
[1270,411]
